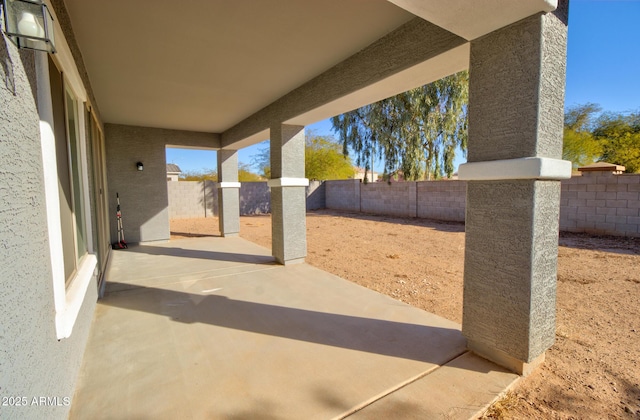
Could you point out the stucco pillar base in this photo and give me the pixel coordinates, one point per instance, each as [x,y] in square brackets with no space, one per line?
[511,249]
[229,211]
[288,224]
[503,359]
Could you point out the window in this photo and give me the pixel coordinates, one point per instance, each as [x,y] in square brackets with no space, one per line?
[63,130]
[70,182]
[76,175]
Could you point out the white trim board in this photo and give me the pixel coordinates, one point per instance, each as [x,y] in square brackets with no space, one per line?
[228,185]
[288,182]
[522,168]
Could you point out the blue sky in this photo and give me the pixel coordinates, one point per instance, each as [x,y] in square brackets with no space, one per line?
[603,67]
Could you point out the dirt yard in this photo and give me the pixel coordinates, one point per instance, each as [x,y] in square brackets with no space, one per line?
[592,371]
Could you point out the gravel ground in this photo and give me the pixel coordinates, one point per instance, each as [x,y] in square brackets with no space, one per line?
[592,371]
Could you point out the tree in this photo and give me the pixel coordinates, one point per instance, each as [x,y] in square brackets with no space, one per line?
[620,138]
[609,137]
[323,159]
[417,131]
[262,160]
[579,145]
[246,175]
[201,175]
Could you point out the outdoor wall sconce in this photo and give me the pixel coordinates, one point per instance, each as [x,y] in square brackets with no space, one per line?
[28,24]
[140,166]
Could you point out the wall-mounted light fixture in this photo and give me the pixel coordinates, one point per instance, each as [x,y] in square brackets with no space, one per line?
[140,166]
[28,24]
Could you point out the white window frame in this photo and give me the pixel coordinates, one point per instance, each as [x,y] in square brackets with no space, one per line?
[68,299]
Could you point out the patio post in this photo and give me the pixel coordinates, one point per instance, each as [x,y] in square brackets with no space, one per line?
[228,193]
[516,100]
[288,194]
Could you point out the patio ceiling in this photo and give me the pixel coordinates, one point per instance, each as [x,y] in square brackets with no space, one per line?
[206,65]
[211,65]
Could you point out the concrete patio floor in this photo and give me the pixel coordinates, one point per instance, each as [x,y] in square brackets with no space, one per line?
[212,328]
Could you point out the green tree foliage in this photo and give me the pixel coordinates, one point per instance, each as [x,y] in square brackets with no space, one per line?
[323,159]
[580,146]
[244,175]
[620,138]
[202,175]
[609,137]
[417,131]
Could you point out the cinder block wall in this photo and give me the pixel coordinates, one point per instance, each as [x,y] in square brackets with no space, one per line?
[255,198]
[192,199]
[442,200]
[343,195]
[601,203]
[316,195]
[395,199]
[597,202]
[438,200]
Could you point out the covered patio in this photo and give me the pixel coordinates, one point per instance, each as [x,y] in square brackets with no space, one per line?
[220,327]
[212,327]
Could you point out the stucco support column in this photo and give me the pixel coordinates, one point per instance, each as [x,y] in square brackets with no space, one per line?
[228,193]
[516,99]
[288,194]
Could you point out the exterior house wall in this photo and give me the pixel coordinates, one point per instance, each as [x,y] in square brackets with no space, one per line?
[33,362]
[143,194]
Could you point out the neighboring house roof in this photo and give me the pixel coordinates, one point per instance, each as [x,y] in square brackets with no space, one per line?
[172,167]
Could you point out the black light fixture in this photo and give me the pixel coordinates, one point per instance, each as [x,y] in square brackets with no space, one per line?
[140,166]
[28,24]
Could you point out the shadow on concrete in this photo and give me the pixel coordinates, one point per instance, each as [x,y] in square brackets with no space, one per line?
[206,255]
[423,343]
